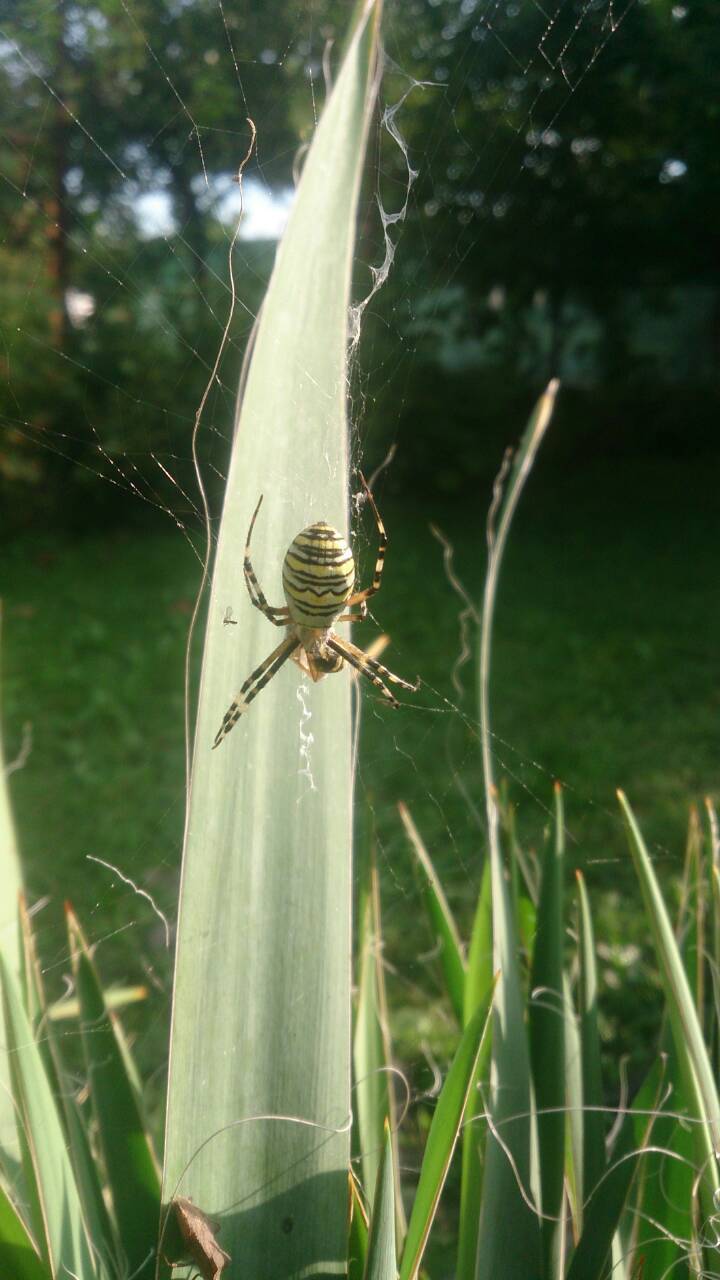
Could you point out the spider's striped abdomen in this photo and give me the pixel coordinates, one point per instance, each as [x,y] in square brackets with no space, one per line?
[318,575]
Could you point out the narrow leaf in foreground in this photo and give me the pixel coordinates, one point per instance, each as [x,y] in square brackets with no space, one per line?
[443,1135]
[694,1063]
[603,1211]
[371,1076]
[63,1243]
[594,1161]
[441,918]
[509,1233]
[11,881]
[18,1257]
[477,982]
[382,1263]
[547,1034]
[358,1233]
[131,1171]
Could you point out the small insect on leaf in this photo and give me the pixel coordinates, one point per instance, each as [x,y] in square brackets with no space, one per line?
[198,1232]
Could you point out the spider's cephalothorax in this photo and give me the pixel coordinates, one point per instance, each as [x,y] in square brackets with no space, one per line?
[318,580]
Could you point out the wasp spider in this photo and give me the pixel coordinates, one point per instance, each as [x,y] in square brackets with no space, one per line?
[318,579]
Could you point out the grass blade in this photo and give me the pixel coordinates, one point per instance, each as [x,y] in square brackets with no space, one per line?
[131,1170]
[574,1094]
[441,918]
[18,1257]
[11,881]
[443,1136]
[594,1162]
[259,1089]
[369,1057]
[508,1238]
[662,1207]
[477,982]
[61,1231]
[381,1263]
[85,1164]
[603,1210]
[694,1063]
[357,1235]
[547,1033]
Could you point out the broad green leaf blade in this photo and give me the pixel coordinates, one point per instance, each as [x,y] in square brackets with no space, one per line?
[547,1034]
[477,983]
[509,1233]
[11,881]
[131,1170]
[258,1118]
[382,1257]
[443,1135]
[441,918]
[63,1242]
[594,1162]
[694,1063]
[18,1257]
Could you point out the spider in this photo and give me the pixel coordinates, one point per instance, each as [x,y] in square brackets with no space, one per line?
[318,580]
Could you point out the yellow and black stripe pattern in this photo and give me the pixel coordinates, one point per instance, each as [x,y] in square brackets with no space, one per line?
[318,576]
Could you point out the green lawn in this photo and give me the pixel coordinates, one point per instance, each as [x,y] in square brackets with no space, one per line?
[606,674]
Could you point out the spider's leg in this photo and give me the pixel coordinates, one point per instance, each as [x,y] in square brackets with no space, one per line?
[357,659]
[382,548]
[355,617]
[379,669]
[279,617]
[252,686]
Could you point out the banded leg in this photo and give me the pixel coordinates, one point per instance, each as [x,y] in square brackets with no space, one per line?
[355,617]
[279,617]
[252,686]
[379,669]
[373,670]
[382,548]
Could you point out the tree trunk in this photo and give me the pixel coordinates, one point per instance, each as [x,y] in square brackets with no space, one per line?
[56,205]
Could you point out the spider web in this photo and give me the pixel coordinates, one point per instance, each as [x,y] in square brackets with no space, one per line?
[121,867]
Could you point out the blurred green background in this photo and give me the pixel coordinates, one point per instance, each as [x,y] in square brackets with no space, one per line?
[562,219]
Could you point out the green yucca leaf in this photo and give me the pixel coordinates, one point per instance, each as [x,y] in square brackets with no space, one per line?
[358,1234]
[370,1060]
[694,1064]
[662,1227]
[547,1033]
[603,1210]
[258,1118]
[574,1130]
[381,1261]
[60,1227]
[477,983]
[11,881]
[443,1135]
[508,1236]
[132,1174]
[84,1163]
[441,918]
[594,1161]
[18,1257]
[115,998]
